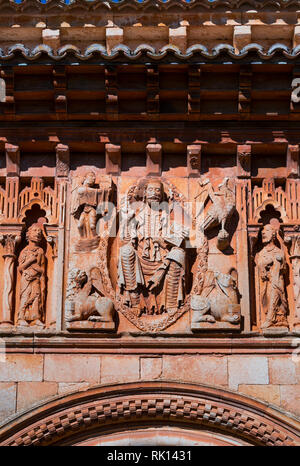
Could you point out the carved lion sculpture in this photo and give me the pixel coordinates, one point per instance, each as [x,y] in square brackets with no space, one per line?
[81,304]
[218,300]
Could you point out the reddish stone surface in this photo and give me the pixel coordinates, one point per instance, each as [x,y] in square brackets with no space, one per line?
[268,393]
[284,371]
[99,286]
[22,368]
[71,368]
[116,369]
[8,395]
[151,368]
[64,388]
[200,369]
[290,398]
[247,370]
[30,393]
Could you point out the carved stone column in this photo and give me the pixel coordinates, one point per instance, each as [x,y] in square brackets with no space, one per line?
[292,239]
[62,173]
[242,194]
[51,238]
[9,242]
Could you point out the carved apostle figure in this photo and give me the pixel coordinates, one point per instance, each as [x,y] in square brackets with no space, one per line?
[271,265]
[33,279]
[151,265]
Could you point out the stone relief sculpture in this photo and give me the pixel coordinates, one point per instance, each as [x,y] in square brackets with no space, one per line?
[151,267]
[221,210]
[88,204]
[33,279]
[271,269]
[294,248]
[215,297]
[86,301]
[145,270]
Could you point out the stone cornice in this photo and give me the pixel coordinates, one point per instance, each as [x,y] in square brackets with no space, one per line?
[122,53]
[49,341]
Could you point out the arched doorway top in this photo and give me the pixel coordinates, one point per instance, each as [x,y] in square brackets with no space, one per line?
[103,408]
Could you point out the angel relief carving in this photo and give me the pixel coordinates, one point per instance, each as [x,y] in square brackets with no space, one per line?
[89,203]
[151,267]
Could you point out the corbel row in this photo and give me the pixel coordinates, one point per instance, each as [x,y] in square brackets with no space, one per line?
[113,157]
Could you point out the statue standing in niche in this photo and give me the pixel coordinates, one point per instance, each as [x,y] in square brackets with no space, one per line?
[88,204]
[271,265]
[151,266]
[221,210]
[33,279]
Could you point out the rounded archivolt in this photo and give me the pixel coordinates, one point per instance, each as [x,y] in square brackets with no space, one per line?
[115,408]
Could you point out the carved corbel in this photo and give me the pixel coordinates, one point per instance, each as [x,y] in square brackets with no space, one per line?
[112,159]
[293,161]
[154,153]
[194,160]
[62,161]
[243,160]
[9,242]
[253,236]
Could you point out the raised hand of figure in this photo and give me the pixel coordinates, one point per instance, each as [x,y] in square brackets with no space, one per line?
[155,281]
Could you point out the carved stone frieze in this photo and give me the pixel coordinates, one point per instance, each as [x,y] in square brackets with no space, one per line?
[146,253]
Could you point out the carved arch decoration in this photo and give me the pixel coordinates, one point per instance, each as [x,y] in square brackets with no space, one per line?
[38,194]
[66,419]
[276,206]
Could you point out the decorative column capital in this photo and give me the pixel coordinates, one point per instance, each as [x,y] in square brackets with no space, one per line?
[9,242]
[51,238]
